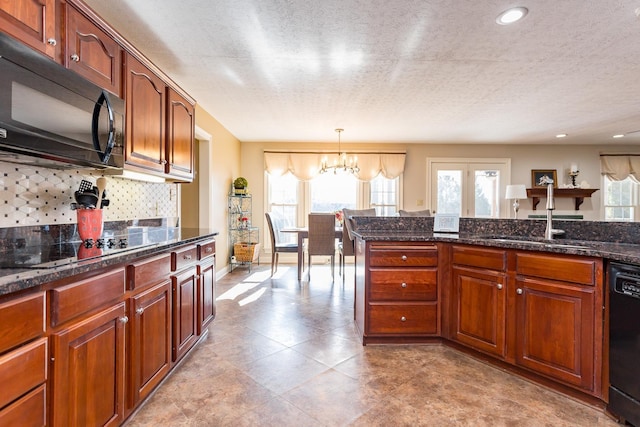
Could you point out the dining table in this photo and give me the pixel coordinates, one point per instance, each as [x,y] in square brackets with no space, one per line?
[303,233]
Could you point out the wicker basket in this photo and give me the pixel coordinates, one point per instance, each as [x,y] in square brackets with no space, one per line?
[246,252]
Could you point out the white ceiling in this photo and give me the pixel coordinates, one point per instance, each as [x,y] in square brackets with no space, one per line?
[398,70]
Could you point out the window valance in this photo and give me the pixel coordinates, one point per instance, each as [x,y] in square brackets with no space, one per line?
[306,166]
[619,167]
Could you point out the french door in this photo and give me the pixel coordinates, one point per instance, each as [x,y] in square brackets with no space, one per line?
[468,187]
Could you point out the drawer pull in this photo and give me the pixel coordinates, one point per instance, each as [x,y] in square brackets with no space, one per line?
[519,291]
[187,257]
[403,319]
[404,285]
[140,311]
[75,58]
[124,319]
[404,257]
[209,250]
[499,286]
[52,42]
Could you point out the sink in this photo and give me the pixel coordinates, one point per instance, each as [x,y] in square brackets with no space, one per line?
[545,243]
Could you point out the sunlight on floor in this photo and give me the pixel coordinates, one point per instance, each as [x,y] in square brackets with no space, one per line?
[254,280]
[253,297]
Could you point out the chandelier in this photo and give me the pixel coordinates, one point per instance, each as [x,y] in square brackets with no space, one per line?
[343,162]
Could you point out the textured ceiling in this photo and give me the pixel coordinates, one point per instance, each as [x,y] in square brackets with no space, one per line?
[398,70]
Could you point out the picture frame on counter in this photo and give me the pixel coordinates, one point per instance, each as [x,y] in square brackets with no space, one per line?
[537,174]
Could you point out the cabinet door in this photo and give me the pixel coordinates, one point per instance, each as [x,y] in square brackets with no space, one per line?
[555,330]
[180,137]
[92,53]
[145,102]
[479,308]
[33,22]
[185,294]
[150,347]
[207,295]
[88,371]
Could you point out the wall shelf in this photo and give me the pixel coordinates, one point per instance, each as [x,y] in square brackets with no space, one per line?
[535,194]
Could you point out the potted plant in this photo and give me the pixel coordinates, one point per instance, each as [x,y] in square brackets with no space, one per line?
[240,185]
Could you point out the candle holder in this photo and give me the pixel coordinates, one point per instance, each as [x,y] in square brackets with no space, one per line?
[573,175]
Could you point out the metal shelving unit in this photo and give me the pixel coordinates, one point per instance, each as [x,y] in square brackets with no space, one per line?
[244,238]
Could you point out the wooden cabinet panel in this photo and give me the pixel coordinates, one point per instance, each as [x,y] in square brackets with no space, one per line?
[27,317]
[28,411]
[403,256]
[22,370]
[207,295]
[492,259]
[402,318]
[150,340]
[183,257]
[92,53]
[185,330]
[479,311]
[88,372]
[206,249]
[407,284]
[148,271]
[83,296]
[180,137]
[555,330]
[145,102]
[568,269]
[33,22]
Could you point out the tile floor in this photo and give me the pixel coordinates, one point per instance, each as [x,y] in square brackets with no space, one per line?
[284,353]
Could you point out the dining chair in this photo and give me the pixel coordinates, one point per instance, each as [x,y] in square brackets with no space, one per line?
[346,247]
[275,221]
[322,237]
[425,212]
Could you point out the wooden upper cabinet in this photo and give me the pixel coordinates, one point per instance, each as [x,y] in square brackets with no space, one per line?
[33,22]
[92,53]
[180,137]
[145,103]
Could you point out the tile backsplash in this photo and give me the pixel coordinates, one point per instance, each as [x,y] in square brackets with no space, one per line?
[40,196]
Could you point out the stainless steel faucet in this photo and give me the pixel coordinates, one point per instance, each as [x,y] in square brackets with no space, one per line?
[549,232]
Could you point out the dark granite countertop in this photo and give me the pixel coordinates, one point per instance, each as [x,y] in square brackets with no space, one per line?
[17,279]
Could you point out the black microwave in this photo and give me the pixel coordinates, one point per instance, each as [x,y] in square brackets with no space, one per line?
[52,117]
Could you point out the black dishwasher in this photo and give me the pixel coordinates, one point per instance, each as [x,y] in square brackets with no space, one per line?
[624,341]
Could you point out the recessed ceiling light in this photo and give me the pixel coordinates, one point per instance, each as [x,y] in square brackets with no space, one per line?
[561,135]
[618,136]
[512,15]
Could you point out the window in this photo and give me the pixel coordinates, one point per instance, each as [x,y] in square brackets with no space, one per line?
[383,195]
[620,200]
[330,192]
[468,187]
[283,198]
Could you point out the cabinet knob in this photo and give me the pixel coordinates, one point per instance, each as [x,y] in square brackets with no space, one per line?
[124,319]
[209,250]
[186,257]
[404,285]
[52,42]
[404,257]
[499,286]
[75,58]
[140,310]
[403,319]
[519,291]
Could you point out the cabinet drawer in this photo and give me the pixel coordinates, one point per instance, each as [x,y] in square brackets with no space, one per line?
[85,295]
[491,259]
[408,284]
[206,249]
[148,271]
[574,270]
[183,257]
[403,318]
[403,256]
[27,313]
[26,412]
[22,370]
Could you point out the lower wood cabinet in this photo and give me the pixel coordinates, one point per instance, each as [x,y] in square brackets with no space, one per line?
[150,340]
[185,306]
[89,370]
[206,294]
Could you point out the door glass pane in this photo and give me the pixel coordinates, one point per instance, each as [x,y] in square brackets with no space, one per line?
[332,192]
[487,190]
[450,191]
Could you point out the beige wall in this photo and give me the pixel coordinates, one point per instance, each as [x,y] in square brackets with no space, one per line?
[223,158]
